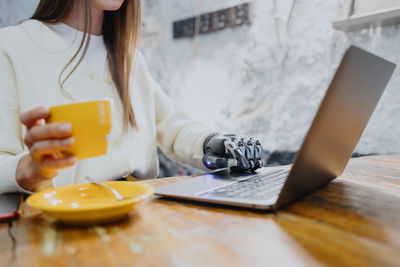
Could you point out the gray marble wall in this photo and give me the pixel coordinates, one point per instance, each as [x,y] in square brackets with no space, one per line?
[266,79]
[13,11]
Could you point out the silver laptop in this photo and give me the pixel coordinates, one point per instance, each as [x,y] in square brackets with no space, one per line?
[337,127]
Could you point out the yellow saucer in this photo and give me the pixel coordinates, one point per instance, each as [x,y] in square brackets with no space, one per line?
[89,203]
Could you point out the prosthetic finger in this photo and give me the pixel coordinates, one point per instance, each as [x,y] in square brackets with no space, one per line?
[258,149]
[250,152]
[236,149]
[212,161]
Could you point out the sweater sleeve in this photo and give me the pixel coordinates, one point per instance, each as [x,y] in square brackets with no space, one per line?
[11,141]
[179,137]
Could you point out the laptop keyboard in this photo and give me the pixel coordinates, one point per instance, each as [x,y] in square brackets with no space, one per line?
[258,187]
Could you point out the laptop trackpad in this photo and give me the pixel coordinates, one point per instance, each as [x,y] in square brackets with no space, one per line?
[200,184]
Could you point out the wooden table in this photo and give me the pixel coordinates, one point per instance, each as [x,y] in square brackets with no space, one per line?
[353,221]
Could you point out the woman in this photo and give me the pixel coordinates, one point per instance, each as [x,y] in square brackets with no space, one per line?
[77,50]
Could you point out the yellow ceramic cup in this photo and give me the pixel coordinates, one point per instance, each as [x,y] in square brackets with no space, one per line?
[91,126]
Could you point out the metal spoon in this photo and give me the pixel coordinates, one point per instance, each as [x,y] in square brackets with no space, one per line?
[115,192]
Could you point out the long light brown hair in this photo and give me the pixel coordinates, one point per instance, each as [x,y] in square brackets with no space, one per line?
[121,30]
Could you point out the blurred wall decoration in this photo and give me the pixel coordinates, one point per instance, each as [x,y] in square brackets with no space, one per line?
[265,78]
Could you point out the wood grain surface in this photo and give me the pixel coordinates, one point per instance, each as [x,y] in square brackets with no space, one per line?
[353,221]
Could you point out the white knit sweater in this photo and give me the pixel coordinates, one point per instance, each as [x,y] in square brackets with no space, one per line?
[31,59]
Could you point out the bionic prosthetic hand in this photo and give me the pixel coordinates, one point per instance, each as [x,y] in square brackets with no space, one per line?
[229,150]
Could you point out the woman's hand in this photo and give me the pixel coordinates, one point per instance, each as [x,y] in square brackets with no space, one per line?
[45,142]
